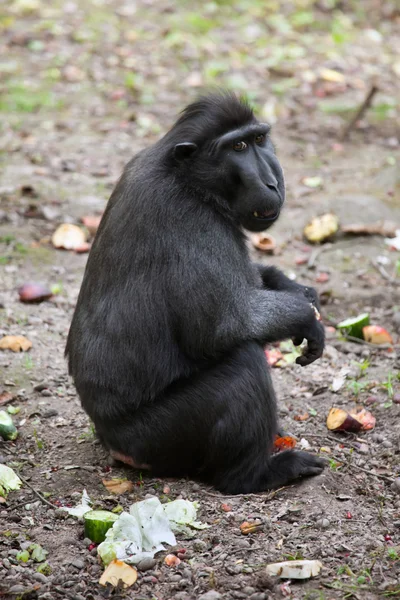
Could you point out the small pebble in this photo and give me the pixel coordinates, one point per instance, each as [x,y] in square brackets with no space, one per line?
[16,589]
[211,595]
[40,577]
[146,564]
[39,387]
[323,523]
[395,486]
[199,546]
[78,563]
[258,596]
[47,393]
[387,444]
[52,412]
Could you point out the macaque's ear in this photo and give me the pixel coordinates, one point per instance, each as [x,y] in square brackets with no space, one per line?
[184,150]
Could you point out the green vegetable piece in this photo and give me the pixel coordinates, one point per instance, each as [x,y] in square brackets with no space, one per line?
[44,568]
[8,430]
[23,556]
[9,481]
[97,523]
[13,410]
[353,327]
[38,553]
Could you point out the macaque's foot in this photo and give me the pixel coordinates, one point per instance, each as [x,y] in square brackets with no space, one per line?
[127,460]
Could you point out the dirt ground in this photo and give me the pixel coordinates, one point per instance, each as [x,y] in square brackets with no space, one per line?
[83,87]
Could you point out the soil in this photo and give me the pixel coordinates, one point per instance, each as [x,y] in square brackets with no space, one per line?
[64,139]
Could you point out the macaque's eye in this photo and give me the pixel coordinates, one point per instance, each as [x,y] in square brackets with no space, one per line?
[239,146]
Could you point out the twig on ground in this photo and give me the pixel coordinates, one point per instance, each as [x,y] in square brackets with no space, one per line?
[359,113]
[262,495]
[38,494]
[315,254]
[382,271]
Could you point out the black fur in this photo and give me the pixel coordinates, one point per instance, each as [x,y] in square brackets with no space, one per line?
[166,343]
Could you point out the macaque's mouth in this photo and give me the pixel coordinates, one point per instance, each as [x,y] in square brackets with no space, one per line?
[266,215]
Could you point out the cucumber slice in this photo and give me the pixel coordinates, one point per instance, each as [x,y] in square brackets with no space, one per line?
[354,327]
[8,430]
[97,523]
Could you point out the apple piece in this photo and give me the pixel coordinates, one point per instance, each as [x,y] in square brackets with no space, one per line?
[374,334]
[273,356]
[321,228]
[340,420]
[68,236]
[119,572]
[353,327]
[295,569]
[34,293]
[366,418]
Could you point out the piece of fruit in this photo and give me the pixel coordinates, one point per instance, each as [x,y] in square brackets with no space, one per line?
[355,420]
[8,431]
[118,571]
[68,236]
[273,356]
[172,561]
[353,327]
[118,486]
[15,343]
[247,527]
[374,334]
[263,242]
[286,442]
[321,228]
[34,293]
[295,569]
[97,523]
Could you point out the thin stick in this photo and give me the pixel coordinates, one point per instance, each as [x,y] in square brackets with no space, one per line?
[382,271]
[38,494]
[364,106]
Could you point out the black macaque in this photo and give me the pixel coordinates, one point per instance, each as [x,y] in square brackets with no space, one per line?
[166,345]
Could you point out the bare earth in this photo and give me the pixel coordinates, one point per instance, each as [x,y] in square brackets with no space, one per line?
[85,86]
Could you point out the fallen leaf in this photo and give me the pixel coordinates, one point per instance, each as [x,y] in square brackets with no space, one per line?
[374,334]
[15,343]
[171,560]
[118,486]
[321,228]
[118,571]
[332,76]
[68,236]
[6,397]
[263,242]
[385,229]
[34,293]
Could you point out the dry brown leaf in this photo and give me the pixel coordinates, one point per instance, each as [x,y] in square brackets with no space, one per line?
[118,486]
[15,343]
[68,236]
[6,397]
[118,571]
[383,228]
